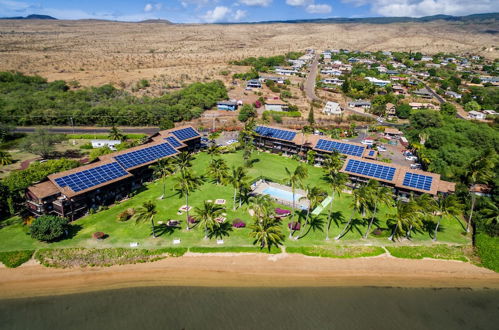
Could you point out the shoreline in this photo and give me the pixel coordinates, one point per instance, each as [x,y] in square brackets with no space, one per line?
[247,270]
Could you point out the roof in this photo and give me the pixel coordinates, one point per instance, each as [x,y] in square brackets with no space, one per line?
[389,130]
[44,189]
[275,102]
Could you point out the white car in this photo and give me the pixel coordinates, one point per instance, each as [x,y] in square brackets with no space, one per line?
[416,166]
[230,142]
[367,142]
[381,148]
[411,158]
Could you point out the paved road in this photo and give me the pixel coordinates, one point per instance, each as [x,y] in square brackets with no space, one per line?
[460,111]
[90,130]
[310,81]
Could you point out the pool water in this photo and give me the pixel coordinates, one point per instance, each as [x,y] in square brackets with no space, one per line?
[282,194]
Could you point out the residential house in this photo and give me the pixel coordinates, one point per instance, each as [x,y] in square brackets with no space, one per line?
[476,115]
[418,106]
[391,110]
[332,108]
[452,94]
[285,72]
[227,105]
[393,132]
[378,82]
[490,113]
[277,80]
[360,104]
[424,93]
[254,83]
[399,90]
[276,105]
[333,81]
[332,72]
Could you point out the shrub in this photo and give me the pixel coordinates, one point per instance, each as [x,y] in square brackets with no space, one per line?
[13,259]
[125,215]
[238,223]
[99,235]
[294,225]
[486,247]
[48,228]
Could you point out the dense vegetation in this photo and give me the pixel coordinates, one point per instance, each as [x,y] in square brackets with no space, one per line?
[265,64]
[31,100]
[13,259]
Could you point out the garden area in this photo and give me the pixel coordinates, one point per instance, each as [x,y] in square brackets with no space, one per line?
[121,232]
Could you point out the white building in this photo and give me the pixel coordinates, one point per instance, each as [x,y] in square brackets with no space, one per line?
[332,108]
[333,81]
[331,72]
[276,105]
[105,143]
[378,82]
[476,115]
[285,72]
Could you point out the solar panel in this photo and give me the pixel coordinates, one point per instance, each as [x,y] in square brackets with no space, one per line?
[369,169]
[92,177]
[145,155]
[185,133]
[173,141]
[417,181]
[371,153]
[344,148]
[275,133]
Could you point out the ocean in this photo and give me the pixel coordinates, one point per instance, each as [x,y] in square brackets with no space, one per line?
[257,308]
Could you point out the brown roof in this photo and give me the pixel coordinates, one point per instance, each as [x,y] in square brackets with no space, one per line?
[167,132]
[275,102]
[389,130]
[480,188]
[69,192]
[44,189]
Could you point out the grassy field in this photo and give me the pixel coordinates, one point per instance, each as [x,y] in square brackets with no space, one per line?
[121,234]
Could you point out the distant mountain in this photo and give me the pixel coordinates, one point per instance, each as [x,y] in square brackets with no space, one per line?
[164,21]
[388,20]
[34,16]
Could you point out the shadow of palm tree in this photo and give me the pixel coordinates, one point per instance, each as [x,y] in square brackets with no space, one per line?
[164,229]
[337,218]
[220,231]
[357,225]
[315,223]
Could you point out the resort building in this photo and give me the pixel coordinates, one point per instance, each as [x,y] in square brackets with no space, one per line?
[359,164]
[112,178]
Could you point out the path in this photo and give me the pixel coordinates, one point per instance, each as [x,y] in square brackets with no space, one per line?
[310,81]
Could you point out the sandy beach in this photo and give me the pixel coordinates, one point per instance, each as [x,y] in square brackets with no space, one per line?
[247,270]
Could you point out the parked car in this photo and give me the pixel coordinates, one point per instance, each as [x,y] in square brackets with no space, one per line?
[416,166]
[411,158]
[367,142]
[380,120]
[381,148]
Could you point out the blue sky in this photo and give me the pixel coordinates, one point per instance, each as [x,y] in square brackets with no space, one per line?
[212,11]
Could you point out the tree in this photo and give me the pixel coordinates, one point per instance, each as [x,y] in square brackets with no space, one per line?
[5,158]
[237,178]
[315,195]
[377,195]
[345,87]
[267,233]
[218,170]
[207,215]
[448,109]
[337,182]
[146,213]
[402,218]
[480,170]
[359,204]
[41,142]
[166,123]
[185,184]
[183,162]
[403,110]
[213,150]
[48,228]
[116,134]
[247,111]
[162,169]
[295,180]
[311,119]
[261,206]
[472,106]
[446,206]
[426,207]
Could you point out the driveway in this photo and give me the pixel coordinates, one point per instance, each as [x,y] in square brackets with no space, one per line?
[310,81]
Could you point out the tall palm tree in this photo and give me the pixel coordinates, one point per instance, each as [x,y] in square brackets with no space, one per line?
[377,196]
[295,180]
[237,178]
[359,204]
[261,206]
[315,195]
[218,170]
[185,185]
[480,170]
[402,218]
[213,151]
[333,163]
[426,207]
[161,170]
[267,233]
[5,158]
[116,134]
[147,212]
[446,206]
[337,182]
[183,162]
[207,215]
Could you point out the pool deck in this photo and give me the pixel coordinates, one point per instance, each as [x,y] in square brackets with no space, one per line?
[259,187]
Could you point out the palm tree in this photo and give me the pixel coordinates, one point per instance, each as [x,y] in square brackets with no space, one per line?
[237,178]
[213,150]
[446,206]
[147,212]
[359,204]
[377,196]
[183,161]
[480,170]
[402,218]
[295,180]
[315,195]
[267,233]
[5,158]
[116,134]
[426,206]
[261,206]
[333,163]
[218,170]
[162,169]
[207,215]
[337,182]
[185,185]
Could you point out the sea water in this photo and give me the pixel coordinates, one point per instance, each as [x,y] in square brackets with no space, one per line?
[257,308]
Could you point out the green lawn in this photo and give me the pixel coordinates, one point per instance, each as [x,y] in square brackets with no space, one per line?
[271,166]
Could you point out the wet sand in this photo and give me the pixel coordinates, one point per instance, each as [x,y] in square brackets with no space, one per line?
[247,270]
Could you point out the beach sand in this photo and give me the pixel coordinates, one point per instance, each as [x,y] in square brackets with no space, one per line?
[247,270]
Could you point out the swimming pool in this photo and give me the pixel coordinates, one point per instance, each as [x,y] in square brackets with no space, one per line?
[282,194]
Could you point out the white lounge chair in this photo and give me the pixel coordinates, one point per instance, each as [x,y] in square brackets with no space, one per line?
[134,244]
[220,241]
[176,241]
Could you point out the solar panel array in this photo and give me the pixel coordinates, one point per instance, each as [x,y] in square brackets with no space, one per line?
[344,148]
[145,155]
[185,133]
[275,133]
[369,169]
[92,177]
[371,153]
[173,141]
[417,181]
